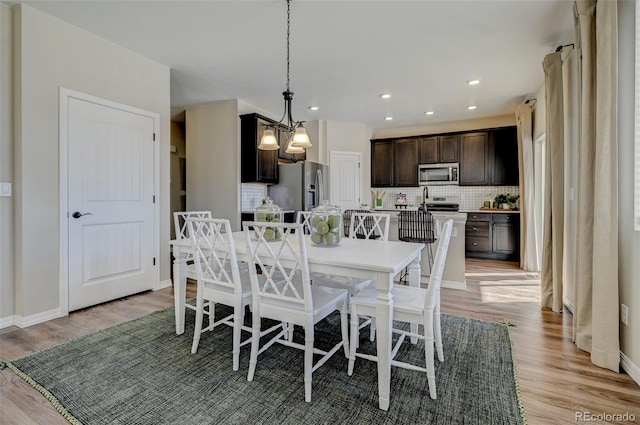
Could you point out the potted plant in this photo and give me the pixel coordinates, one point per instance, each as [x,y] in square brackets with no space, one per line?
[500,200]
[513,200]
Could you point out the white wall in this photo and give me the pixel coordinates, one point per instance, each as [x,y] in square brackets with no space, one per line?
[213,159]
[51,54]
[6,162]
[629,240]
[447,127]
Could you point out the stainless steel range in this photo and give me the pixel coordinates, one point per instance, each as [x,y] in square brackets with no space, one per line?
[442,203]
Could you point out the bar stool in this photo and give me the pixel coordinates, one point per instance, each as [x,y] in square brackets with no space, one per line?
[417,226]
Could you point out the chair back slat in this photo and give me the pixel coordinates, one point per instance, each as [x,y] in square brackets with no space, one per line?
[283,262]
[180,225]
[214,252]
[346,219]
[369,226]
[302,217]
[416,226]
[435,278]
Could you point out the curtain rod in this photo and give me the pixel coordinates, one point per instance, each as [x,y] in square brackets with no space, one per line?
[559,48]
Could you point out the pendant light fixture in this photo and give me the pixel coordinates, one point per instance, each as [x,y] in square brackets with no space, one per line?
[298,140]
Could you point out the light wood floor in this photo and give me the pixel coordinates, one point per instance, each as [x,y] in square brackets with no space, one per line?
[556,379]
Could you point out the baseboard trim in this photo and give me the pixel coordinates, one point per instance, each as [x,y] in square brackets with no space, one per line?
[632,370]
[45,316]
[451,284]
[164,284]
[5,322]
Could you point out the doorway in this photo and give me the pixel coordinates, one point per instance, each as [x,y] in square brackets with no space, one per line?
[345,172]
[108,203]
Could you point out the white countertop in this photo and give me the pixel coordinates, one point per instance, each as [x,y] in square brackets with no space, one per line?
[253,211]
[495,211]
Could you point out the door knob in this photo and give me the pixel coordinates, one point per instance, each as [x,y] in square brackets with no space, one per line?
[78,214]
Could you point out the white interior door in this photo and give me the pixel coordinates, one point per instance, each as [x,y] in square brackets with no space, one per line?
[345,179]
[110,203]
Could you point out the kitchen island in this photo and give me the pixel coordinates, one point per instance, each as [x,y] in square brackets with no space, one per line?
[454,271]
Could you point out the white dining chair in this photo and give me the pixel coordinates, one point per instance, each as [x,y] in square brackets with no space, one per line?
[219,280]
[412,305]
[369,226]
[295,301]
[302,217]
[182,232]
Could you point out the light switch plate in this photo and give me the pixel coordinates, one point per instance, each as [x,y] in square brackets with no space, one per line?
[5,189]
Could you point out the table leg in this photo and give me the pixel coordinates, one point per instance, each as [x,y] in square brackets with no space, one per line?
[384,323]
[414,280]
[179,289]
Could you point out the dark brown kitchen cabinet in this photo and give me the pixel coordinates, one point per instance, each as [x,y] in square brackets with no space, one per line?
[503,152]
[405,162]
[394,162]
[382,163]
[256,166]
[493,236]
[439,149]
[474,159]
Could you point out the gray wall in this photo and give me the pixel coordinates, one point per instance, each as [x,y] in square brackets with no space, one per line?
[50,54]
[629,243]
[6,162]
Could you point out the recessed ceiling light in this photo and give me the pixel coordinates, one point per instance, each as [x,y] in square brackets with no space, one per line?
[385,95]
[473,82]
[388,118]
[313,108]
[471,107]
[429,113]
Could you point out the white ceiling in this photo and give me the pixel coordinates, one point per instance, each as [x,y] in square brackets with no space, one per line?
[343,53]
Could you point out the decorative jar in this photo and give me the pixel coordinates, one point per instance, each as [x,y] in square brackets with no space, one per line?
[270,213]
[326,225]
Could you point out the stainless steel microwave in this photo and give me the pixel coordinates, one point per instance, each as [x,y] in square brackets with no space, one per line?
[438,174]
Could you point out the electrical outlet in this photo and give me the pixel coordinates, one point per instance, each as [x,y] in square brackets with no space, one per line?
[624,314]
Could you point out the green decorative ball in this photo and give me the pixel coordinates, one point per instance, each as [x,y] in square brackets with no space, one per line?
[333,221]
[316,238]
[322,227]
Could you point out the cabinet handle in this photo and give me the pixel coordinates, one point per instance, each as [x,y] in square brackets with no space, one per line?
[475,229]
[474,216]
[474,243]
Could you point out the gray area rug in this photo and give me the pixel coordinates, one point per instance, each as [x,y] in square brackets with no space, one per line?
[140,372]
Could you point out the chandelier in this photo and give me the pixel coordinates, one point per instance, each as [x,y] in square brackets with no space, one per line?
[297,139]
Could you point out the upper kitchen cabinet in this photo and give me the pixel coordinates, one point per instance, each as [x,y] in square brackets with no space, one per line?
[489,158]
[503,150]
[405,162]
[394,162]
[257,166]
[474,159]
[439,149]
[382,163]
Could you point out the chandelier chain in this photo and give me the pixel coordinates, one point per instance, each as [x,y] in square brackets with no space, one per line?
[288,34]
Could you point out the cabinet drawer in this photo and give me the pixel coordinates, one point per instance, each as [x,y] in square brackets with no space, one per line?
[479,217]
[477,229]
[505,218]
[477,244]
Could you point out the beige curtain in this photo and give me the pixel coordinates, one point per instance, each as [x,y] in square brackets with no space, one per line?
[596,326]
[529,260]
[553,218]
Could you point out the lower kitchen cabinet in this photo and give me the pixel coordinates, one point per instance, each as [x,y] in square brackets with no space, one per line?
[494,236]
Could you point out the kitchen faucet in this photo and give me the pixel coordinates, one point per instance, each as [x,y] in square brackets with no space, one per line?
[425,195]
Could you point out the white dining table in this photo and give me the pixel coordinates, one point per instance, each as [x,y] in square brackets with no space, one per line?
[376,260]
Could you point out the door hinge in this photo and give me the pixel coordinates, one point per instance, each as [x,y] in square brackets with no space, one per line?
[358,165]
[154,261]
[154,199]
[154,137]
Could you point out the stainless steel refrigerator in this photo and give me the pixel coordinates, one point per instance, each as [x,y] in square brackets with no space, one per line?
[302,186]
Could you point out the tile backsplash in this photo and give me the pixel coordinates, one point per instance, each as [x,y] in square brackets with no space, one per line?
[252,195]
[471,197]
